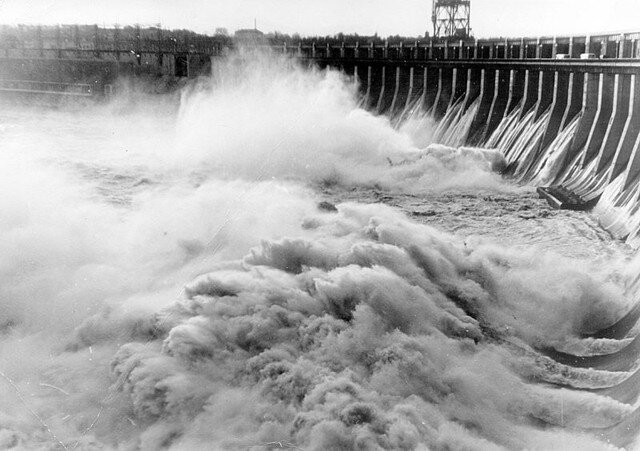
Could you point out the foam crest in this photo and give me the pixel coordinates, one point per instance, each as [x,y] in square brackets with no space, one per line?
[264,117]
[383,352]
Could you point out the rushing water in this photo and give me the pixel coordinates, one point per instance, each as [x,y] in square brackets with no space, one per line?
[175,275]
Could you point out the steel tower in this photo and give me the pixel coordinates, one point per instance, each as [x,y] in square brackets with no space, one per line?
[451,18]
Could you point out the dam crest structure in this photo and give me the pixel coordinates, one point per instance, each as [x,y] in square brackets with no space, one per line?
[564,111]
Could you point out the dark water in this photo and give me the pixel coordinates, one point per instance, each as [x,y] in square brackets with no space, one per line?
[517,219]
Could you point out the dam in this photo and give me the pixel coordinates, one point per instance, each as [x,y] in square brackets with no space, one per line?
[564,110]
[577,96]
[257,253]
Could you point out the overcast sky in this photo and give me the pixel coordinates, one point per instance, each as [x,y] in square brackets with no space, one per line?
[321,17]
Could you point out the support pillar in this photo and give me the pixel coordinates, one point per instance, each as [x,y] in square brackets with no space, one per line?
[617,121]
[390,85]
[396,92]
[531,89]
[574,98]
[621,47]
[558,108]
[444,92]
[516,90]
[383,81]
[545,93]
[367,95]
[474,83]
[430,86]
[633,170]
[424,102]
[459,85]
[587,114]
[571,48]
[499,102]
[631,129]
[601,122]
[487,86]
[410,91]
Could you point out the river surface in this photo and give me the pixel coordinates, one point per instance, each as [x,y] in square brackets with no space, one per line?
[258,264]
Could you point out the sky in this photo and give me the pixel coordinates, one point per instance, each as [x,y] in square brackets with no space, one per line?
[489,18]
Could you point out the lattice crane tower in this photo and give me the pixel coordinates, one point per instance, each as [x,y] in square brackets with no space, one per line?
[451,18]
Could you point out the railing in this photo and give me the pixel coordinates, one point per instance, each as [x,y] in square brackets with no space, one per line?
[46,87]
[93,42]
[614,66]
[612,46]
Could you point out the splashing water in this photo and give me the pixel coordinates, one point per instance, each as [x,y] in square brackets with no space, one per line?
[453,129]
[349,327]
[555,158]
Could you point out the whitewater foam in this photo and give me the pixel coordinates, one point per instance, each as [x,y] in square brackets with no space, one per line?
[351,327]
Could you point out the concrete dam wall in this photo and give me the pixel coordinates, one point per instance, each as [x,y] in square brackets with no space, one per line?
[564,111]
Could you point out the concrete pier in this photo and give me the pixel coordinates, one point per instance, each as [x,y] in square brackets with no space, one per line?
[487,88]
[459,85]
[501,97]
[443,96]
[632,172]
[376,87]
[616,124]
[531,91]
[601,121]
[516,91]
[631,129]
[546,89]
[403,83]
[561,92]
[587,113]
[575,94]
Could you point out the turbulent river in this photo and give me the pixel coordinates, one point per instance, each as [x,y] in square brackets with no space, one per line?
[257,263]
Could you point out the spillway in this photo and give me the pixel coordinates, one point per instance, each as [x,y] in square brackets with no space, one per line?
[352,258]
[568,125]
